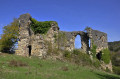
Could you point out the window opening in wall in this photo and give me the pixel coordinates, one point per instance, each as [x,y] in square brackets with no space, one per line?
[89,43]
[78,42]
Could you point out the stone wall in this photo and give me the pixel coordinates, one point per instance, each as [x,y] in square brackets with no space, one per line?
[37,44]
[70,37]
[34,44]
[24,35]
[97,38]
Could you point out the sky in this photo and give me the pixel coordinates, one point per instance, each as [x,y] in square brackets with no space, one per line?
[71,15]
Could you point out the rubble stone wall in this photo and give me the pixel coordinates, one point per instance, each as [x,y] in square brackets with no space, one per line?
[39,42]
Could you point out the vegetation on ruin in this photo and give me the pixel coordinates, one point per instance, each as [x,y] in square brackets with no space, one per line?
[105,53]
[106,56]
[62,40]
[87,28]
[93,49]
[9,37]
[79,57]
[40,27]
[51,50]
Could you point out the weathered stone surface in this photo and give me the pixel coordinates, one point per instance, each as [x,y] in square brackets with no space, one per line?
[97,38]
[107,66]
[66,42]
[38,44]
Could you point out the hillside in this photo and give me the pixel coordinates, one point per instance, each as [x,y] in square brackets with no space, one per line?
[17,67]
[114,46]
[115,55]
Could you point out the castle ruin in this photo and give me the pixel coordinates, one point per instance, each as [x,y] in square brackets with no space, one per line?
[31,44]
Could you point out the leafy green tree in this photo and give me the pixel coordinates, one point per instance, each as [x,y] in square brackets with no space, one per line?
[9,37]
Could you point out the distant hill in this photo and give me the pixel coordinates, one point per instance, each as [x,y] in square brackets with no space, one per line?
[114,46]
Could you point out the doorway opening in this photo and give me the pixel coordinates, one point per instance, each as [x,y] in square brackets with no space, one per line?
[99,55]
[29,50]
[78,42]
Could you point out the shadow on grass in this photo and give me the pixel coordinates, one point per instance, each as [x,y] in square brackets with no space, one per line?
[107,76]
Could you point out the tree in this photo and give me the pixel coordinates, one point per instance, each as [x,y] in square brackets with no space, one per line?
[9,37]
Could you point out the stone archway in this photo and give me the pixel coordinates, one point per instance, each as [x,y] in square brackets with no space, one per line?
[77,42]
[84,40]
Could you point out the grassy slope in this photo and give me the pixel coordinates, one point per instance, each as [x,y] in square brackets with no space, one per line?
[35,68]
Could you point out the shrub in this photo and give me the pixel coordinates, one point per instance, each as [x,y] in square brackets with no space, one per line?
[96,63]
[85,59]
[61,40]
[40,27]
[116,70]
[76,51]
[81,58]
[93,50]
[67,54]
[106,56]
[51,50]
[107,70]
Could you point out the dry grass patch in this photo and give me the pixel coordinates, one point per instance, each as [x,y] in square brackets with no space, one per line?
[64,68]
[17,63]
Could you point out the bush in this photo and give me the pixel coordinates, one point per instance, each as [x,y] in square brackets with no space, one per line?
[40,27]
[51,50]
[93,50]
[76,52]
[96,63]
[106,56]
[107,70]
[67,54]
[116,70]
[78,57]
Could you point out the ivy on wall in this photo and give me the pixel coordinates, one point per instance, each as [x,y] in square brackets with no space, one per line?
[60,39]
[106,56]
[93,49]
[40,27]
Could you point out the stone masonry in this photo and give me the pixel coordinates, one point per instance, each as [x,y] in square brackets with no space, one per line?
[37,44]
[31,44]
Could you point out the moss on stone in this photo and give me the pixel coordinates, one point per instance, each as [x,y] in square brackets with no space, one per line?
[40,27]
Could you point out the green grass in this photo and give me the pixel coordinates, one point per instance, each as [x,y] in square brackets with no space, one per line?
[35,68]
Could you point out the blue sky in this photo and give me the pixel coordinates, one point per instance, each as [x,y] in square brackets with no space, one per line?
[71,15]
